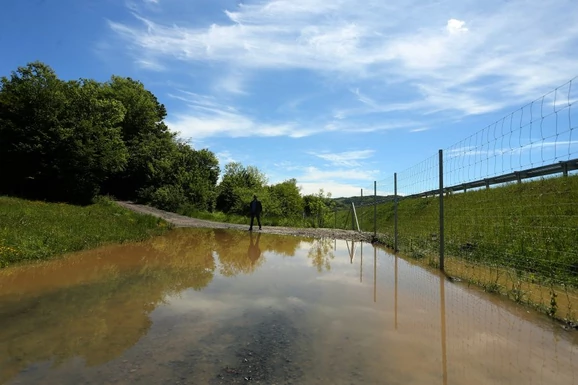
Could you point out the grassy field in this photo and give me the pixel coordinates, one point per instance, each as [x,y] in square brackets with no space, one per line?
[35,230]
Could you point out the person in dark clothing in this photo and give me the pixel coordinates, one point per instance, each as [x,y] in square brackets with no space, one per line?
[256,209]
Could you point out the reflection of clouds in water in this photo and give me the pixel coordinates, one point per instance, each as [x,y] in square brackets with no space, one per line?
[227,304]
[295,301]
[184,303]
[340,278]
[486,341]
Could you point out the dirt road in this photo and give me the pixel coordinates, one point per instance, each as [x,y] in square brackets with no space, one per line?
[183,221]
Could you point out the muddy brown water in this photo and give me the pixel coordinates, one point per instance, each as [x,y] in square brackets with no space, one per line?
[217,306]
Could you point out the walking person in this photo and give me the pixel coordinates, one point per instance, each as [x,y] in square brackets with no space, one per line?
[256,209]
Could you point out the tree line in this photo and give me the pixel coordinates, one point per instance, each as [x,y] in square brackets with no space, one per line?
[72,140]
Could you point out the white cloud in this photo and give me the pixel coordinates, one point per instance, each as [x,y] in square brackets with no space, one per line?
[468,57]
[456,26]
[223,123]
[231,83]
[339,182]
[225,157]
[562,104]
[420,129]
[535,145]
[347,158]
[206,116]
[313,174]
[212,118]
[354,126]
[336,189]
[150,65]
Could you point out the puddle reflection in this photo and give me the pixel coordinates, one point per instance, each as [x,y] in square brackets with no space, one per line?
[218,306]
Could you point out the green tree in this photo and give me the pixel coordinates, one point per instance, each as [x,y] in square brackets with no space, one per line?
[69,141]
[238,186]
[317,206]
[63,138]
[188,177]
[203,174]
[149,141]
[288,199]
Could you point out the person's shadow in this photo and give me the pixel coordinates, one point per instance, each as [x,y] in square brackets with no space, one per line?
[254,251]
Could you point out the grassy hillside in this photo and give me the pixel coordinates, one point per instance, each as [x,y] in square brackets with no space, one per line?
[345,203]
[530,227]
[33,230]
[520,240]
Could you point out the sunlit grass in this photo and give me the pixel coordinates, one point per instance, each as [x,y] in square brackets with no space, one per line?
[531,228]
[35,230]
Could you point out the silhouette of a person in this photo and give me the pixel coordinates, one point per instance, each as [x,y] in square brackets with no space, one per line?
[256,209]
[254,251]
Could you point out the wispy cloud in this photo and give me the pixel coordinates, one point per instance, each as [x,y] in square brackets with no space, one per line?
[151,64]
[212,118]
[286,165]
[225,157]
[463,57]
[314,174]
[339,179]
[223,123]
[420,129]
[570,147]
[340,182]
[337,189]
[347,158]
[233,83]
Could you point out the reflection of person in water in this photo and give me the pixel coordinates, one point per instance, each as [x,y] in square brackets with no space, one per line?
[254,251]
[256,209]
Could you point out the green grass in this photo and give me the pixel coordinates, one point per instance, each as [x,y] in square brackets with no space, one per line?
[530,228]
[35,230]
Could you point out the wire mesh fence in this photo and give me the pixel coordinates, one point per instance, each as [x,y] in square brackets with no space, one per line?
[499,208]
[464,336]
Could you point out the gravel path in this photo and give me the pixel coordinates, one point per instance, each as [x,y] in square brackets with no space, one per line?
[184,221]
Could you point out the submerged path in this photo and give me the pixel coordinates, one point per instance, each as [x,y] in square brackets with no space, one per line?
[184,221]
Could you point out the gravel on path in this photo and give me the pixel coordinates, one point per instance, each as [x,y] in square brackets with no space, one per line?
[184,221]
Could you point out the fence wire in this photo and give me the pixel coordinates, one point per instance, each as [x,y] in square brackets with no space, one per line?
[463,335]
[510,210]
[539,133]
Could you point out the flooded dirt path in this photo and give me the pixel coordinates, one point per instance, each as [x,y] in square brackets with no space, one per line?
[220,306]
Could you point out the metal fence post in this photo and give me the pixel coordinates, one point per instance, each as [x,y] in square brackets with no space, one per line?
[375,274]
[335,223]
[354,213]
[441,167]
[352,217]
[374,209]
[361,201]
[395,213]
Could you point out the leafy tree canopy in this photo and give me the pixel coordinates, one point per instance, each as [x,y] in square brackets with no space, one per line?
[73,140]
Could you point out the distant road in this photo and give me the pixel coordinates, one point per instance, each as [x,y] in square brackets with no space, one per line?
[184,221]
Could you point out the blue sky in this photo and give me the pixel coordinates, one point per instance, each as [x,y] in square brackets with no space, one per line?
[334,93]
